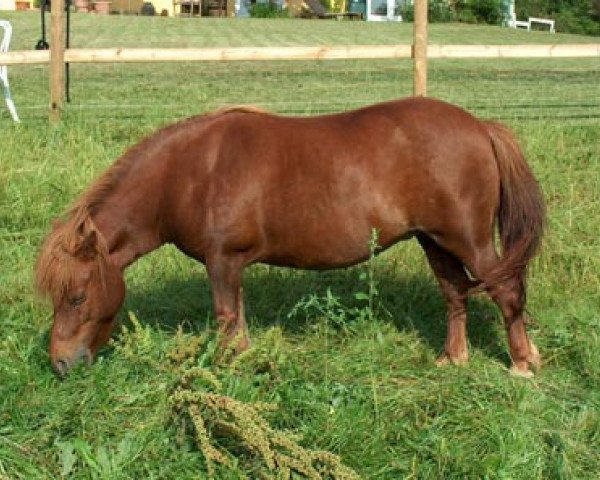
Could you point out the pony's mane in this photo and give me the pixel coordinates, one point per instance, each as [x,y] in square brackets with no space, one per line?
[238,109]
[68,244]
[61,250]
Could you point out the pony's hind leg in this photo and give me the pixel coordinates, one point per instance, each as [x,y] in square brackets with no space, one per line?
[455,285]
[510,298]
[509,295]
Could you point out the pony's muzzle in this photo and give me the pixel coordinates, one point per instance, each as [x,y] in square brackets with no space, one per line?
[63,365]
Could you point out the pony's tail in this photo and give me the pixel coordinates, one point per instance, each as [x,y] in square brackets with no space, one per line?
[522,211]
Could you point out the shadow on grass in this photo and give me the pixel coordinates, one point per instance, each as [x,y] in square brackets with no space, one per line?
[413,301]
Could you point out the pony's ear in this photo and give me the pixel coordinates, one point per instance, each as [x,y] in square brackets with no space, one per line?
[87,245]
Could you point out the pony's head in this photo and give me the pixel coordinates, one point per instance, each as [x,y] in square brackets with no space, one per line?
[86,288]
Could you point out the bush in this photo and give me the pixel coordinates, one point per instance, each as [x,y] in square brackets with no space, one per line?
[437,11]
[479,11]
[596,10]
[467,11]
[267,10]
[569,21]
[440,11]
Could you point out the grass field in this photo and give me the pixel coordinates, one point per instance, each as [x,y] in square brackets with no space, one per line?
[356,381]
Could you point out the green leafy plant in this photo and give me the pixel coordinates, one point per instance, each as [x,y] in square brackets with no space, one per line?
[330,306]
[104,461]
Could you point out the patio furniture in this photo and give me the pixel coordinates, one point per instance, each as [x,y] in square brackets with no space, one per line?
[7,27]
[315,8]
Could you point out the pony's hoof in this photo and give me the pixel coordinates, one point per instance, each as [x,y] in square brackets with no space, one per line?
[442,360]
[446,359]
[534,359]
[532,363]
[520,372]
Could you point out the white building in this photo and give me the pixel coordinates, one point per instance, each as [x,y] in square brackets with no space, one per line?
[8,5]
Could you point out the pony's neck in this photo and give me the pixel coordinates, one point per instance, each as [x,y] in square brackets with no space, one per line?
[129,227]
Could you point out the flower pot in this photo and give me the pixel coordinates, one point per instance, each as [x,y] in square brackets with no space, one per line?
[22,5]
[82,5]
[101,7]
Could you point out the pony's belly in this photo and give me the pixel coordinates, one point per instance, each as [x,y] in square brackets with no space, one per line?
[321,262]
[336,250]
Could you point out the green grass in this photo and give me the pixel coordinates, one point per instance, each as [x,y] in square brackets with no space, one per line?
[365,389]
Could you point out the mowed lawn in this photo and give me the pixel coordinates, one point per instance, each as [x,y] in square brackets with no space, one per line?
[356,381]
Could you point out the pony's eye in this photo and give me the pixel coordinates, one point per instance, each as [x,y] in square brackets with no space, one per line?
[77,300]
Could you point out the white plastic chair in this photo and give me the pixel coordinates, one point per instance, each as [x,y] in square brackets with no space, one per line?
[7,27]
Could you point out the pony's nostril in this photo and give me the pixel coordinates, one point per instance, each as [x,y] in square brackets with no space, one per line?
[61,367]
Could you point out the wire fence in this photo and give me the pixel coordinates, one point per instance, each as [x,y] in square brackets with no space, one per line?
[503,89]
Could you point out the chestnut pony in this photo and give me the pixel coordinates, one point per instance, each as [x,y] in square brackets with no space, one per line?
[240,186]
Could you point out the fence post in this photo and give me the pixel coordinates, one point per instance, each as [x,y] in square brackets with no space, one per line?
[420,48]
[57,59]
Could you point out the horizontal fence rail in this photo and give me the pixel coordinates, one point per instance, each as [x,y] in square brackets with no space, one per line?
[348,52]
[514,51]
[118,55]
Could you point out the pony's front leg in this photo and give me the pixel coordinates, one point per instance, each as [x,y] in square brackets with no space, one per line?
[226,281]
